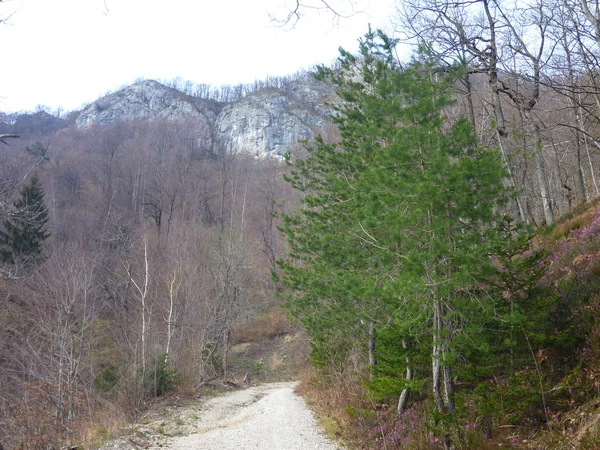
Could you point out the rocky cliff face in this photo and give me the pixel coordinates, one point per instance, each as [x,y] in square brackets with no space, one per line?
[265,124]
[145,100]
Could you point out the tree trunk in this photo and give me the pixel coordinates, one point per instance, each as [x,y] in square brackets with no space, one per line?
[469,94]
[170,317]
[441,373]
[142,290]
[436,357]
[494,88]
[448,384]
[225,354]
[585,196]
[580,173]
[372,359]
[541,171]
[587,147]
[403,400]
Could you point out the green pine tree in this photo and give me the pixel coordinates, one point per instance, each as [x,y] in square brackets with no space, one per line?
[398,222]
[24,230]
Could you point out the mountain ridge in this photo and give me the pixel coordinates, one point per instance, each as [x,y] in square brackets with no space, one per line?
[265,123]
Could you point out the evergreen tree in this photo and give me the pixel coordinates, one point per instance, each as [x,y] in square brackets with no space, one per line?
[24,230]
[398,222]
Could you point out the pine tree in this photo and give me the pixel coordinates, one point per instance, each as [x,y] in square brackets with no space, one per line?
[397,222]
[24,230]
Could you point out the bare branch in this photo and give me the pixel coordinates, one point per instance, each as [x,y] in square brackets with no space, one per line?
[7,136]
[295,13]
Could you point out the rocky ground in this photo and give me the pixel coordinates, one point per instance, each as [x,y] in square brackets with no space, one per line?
[269,416]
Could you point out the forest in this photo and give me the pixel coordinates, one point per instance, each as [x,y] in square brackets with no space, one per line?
[446,244]
[127,261]
[437,241]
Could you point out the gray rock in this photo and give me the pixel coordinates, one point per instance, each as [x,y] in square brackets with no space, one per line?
[266,124]
[145,100]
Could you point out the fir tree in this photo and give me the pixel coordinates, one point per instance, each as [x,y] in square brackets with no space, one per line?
[24,230]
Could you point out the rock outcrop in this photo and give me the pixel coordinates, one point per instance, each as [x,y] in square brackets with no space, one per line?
[269,122]
[145,100]
[266,123]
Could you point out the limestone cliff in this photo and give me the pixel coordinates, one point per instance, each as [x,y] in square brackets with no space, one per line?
[266,123]
[269,122]
[144,100]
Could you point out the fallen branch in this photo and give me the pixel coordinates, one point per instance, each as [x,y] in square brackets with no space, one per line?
[202,383]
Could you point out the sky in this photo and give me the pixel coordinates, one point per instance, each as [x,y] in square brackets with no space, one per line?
[67,53]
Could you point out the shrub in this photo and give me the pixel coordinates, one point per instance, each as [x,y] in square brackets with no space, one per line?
[107,379]
[165,379]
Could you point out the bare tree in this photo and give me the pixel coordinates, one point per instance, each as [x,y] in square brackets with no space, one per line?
[51,327]
[339,9]
[141,288]
[528,61]
[466,32]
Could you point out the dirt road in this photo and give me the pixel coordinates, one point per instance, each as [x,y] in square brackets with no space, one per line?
[269,416]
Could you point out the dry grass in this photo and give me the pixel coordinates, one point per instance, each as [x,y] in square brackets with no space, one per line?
[336,403]
[269,348]
[266,326]
[579,217]
[347,415]
[577,429]
[105,425]
[564,229]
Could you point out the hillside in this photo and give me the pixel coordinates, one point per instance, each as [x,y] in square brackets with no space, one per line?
[440,267]
[267,354]
[40,123]
[266,122]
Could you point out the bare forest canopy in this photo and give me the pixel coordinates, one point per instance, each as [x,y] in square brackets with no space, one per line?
[233,93]
[128,264]
[155,255]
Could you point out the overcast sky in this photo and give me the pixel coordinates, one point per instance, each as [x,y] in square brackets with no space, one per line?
[67,53]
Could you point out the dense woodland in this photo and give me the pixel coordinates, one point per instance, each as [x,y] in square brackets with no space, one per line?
[403,239]
[154,255]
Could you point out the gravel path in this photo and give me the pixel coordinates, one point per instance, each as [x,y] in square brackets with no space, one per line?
[269,416]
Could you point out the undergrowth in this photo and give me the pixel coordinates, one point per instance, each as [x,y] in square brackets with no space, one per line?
[266,326]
